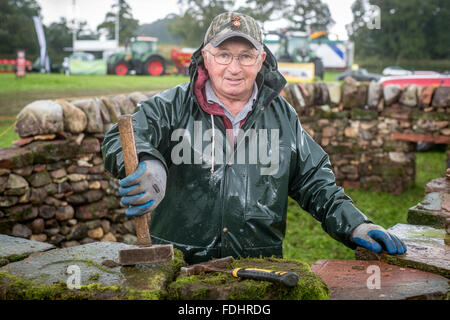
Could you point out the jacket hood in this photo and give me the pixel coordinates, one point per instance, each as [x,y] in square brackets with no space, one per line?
[269,80]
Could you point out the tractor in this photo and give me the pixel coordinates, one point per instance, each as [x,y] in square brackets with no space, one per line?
[295,47]
[141,57]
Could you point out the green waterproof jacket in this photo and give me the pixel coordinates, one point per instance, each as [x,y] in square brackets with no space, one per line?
[237,206]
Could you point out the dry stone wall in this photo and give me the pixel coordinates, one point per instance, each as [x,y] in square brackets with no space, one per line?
[371,131]
[53,186]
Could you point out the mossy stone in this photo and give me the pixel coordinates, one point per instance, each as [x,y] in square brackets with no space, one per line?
[218,285]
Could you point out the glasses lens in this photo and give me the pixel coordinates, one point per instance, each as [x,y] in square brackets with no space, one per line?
[247,59]
[223,57]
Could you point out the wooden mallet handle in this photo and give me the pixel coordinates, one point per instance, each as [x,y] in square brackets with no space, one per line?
[131,161]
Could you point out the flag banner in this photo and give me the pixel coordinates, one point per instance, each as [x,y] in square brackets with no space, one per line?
[42,44]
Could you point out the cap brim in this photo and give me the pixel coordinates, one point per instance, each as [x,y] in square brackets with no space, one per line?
[217,41]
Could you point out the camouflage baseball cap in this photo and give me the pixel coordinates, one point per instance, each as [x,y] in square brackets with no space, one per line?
[233,24]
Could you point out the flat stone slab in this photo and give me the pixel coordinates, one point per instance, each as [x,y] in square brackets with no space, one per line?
[377,280]
[14,249]
[96,266]
[433,210]
[427,250]
[438,185]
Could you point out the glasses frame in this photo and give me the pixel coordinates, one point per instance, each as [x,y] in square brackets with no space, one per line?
[233,56]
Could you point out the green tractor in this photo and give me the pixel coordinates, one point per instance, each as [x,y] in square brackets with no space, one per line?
[295,47]
[141,57]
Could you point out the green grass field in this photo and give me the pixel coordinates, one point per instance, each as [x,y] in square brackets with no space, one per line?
[46,82]
[17,93]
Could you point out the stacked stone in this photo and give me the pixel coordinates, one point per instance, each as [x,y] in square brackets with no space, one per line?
[369,130]
[53,185]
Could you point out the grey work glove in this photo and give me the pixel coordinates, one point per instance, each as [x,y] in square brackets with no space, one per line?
[144,189]
[376,238]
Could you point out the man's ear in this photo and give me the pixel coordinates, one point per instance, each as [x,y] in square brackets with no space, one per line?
[205,59]
[261,60]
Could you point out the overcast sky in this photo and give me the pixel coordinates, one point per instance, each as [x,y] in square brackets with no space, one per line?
[146,11]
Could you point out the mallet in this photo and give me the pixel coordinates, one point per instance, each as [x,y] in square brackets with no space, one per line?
[146,253]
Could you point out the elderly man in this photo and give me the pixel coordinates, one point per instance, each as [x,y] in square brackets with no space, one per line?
[220,155]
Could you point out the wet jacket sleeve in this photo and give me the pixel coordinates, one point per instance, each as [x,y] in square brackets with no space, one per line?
[313,186]
[153,122]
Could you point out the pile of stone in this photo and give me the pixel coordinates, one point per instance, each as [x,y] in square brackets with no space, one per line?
[53,185]
[371,131]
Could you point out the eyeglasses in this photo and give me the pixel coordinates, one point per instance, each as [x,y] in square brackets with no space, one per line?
[225,57]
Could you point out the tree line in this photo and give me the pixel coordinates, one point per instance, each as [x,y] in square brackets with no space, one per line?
[407,29]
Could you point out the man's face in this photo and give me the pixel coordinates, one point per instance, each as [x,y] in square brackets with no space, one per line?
[232,81]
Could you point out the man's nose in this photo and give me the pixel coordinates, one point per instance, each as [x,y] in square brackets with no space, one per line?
[235,65]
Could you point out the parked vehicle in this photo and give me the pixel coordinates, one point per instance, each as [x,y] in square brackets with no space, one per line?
[141,57]
[420,80]
[84,63]
[294,47]
[395,71]
[182,59]
[359,75]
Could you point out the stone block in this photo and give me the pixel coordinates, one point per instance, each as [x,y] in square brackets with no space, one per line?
[374,94]
[335,92]
[391,93]
[91,108]
[219,286]
[354,280]
[90,145]
[52,151]
[22,231]
[12,158]
[39,179]
[126,105]
[75,121]
[22,212]
[39,117]
[350,93]
[113,109]
[409,96]
[91,211]
[14,249]
[441,97]
[433,210]
[426,250]
[426,95]
[44,276]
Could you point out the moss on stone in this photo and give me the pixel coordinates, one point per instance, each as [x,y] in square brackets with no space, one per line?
[436,116]
[17,257]
[424,217]
[218,285]
[157,282]
[360,114]
[13,287]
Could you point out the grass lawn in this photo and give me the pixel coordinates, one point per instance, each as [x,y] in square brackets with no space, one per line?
[53,81]
[7,134]
[17,93]
[305,239]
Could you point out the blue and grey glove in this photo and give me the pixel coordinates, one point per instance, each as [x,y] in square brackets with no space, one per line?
[376,238]
[144,189]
